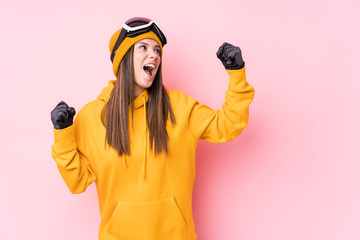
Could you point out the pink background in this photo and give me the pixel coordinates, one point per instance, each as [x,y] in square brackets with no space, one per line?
[292,174]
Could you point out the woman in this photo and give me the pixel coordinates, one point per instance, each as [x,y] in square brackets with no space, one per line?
[137,140]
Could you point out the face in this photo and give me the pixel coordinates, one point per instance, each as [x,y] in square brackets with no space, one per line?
[146,63]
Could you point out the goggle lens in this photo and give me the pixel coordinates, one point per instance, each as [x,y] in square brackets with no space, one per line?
[137,19]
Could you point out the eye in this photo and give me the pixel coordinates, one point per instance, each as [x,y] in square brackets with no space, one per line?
[143,47]
[157,50]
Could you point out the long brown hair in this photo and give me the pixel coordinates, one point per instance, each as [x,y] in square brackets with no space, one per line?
[115,117]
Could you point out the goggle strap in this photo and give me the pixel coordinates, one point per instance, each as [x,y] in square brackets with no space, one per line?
[130,29]
[159,32]
[117,44]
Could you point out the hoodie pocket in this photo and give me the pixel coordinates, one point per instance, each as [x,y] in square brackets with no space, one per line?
[154,220]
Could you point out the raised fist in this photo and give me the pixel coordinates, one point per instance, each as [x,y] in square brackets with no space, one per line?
[62,115]
[230,56]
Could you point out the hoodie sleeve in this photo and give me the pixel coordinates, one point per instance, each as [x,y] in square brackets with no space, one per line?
[218,126]
[70,154]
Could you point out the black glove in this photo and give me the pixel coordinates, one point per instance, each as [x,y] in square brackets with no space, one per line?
[230,56]
[62,115]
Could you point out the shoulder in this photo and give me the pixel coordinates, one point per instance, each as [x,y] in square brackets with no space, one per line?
[178,97]
[91,110]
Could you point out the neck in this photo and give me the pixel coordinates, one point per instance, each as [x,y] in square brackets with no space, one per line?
[137,91]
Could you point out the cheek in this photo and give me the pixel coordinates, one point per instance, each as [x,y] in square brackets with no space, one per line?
[137,59]
[137,65]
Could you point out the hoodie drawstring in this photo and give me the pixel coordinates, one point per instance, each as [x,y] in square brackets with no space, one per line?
[124,160]
[145,147]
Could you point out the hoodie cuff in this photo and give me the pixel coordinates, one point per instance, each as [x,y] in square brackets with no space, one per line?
[64,138]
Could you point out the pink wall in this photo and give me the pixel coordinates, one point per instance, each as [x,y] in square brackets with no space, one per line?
[292,174]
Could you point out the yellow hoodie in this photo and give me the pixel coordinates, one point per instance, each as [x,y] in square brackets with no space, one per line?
[143,197]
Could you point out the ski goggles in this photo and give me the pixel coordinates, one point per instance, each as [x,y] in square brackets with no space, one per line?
[140,25]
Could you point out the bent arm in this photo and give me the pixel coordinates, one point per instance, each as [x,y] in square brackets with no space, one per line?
[218,126]
[69,153]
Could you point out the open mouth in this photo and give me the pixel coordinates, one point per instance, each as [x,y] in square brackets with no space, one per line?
[149,69]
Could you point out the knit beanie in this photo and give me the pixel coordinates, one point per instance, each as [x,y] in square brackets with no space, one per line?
[126,45]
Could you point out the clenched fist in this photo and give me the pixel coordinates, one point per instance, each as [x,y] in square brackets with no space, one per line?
[62,115]
[230,56]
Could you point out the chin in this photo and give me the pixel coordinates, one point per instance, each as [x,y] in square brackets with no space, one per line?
[146,84]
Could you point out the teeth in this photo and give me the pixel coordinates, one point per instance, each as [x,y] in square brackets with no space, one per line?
[152,66]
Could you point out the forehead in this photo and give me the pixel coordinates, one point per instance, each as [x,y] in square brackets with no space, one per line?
[148,41]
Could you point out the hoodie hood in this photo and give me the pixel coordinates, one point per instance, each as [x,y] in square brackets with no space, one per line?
[138,101]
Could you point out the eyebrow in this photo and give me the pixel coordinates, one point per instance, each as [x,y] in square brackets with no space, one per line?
[148,44]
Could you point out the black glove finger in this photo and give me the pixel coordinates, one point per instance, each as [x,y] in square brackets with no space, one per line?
[58,120]
[227,47]
[60,106]
[71,111]
[229,61]
[62,116]
[231,52]
[58,110]
[238,59]
[220,52]
[62,103]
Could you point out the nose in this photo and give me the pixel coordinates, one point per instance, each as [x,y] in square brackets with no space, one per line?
[153,54]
